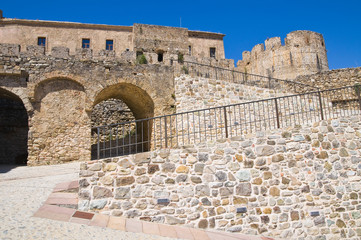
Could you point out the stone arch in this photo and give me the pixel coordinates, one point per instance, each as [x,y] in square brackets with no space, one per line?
[59,75]
[142,107]
[13,129]
[60,124]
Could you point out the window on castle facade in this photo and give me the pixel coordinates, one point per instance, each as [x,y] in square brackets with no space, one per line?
[109,45]
[85,43]
[212,52]
[190,50]
[41,41]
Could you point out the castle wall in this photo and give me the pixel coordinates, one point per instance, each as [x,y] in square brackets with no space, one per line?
[68,36]
[60,90]
[304,53]
[333,79]
[286,183]
[201,44]
[150,39]
[199,93]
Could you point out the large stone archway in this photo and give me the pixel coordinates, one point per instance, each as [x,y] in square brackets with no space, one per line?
[60,124]
[126,137]
[13,129]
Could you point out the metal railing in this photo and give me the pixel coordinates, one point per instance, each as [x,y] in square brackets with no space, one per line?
[231,75]
[180,129]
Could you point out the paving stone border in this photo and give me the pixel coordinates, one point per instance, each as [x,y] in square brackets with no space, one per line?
[61,206]
[300,182]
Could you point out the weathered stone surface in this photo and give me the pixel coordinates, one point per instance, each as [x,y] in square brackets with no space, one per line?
[122,193]
[173,220]
[102,192]
[274,191]
[221,176]
[141,158]
[244,189]
[153,168]
[203,223]
[122,181]
[98,204]
[243,175]
[264,150]
[168,167]
[182,169]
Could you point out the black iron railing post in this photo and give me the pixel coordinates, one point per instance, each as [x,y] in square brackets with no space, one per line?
[320,101]
[225,121]
[98,144]
[277,114]
[165,132]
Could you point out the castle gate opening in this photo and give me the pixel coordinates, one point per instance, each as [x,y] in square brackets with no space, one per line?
[123,131]
[13,129]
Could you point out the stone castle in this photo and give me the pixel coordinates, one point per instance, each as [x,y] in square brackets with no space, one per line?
[292,181]
[44,63]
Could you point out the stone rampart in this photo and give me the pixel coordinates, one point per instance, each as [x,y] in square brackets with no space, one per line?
[333,79]
[304,53]
[300,182]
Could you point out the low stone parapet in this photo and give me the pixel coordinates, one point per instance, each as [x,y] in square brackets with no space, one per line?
[290,183]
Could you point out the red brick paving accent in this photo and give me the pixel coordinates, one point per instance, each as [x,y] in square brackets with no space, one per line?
[55,213]
[123,224]
[85,215]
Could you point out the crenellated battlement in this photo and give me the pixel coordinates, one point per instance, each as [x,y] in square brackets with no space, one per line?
[302,53]
[14,50]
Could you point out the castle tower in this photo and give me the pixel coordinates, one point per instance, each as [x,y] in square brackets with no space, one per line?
[303,53]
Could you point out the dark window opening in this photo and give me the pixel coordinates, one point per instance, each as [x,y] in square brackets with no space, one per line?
[160,57]
[190,50]
[139,53]
[109,45]
[212,52]
[85,43]
[41,41]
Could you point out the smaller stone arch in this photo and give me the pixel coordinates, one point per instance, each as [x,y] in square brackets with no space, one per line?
[59,75]
[142,107]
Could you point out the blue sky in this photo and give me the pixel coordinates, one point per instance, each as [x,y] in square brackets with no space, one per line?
[245,23]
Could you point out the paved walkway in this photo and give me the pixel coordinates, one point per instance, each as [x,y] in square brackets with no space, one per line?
[37,203]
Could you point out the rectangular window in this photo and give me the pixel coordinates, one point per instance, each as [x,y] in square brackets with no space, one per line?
[85,43]
[41,41]
[190,50]
[109,45]
[212,52]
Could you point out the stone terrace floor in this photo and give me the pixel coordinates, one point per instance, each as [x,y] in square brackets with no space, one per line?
[35,203]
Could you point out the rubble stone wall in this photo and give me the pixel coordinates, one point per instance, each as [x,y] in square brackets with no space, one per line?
[299,182]
[333,79]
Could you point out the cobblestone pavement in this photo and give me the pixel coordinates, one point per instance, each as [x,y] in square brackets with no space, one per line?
[23,190]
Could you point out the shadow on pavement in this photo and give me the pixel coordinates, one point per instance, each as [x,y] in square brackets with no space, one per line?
[4,168]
